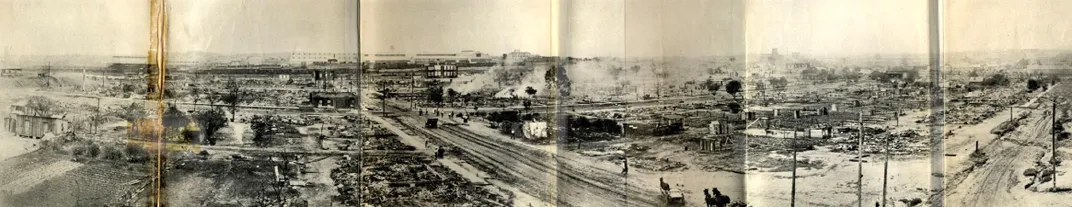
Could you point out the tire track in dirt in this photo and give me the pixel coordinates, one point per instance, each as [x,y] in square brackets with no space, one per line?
[999,173]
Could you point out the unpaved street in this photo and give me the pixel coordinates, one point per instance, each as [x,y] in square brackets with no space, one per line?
[1000,182]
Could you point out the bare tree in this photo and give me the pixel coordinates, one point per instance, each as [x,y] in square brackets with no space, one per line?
[213,98]
[195,92]
[233,97]
[40,106]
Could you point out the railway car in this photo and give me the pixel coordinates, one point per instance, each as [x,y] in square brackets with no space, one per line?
[431,123]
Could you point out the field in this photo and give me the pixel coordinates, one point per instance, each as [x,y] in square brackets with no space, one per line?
[91,184]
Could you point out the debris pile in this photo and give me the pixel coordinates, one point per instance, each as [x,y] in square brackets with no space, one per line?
[386,143]
[407,181]
[655,164]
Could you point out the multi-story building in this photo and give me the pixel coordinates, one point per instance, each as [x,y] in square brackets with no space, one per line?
[308,58]
[398,60]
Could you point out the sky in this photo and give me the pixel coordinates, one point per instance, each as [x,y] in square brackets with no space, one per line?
[263,26]
[589,28]
[121,27]
[980,25]
[640,28]
[837,27]
[437,26]
[60,27]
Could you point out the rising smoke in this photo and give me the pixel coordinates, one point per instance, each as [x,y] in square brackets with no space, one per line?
[596,80]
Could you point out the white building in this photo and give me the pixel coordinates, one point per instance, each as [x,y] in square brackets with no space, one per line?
[465,56]
[517,54]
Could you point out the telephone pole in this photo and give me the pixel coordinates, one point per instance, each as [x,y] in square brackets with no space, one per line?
[793,190]
[886,164]
[860,163]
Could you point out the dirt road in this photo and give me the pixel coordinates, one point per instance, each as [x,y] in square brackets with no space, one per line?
[565,182]
[999,182]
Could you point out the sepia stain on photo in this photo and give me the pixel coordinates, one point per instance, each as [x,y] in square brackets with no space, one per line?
[533,103]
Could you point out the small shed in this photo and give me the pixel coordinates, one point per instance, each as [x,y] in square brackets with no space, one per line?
[333,99]
[24,122]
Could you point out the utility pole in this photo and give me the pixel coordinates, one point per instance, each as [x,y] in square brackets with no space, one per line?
[48,74]
[96,125]
[793,193]
[886,164]
[1053,133]
[860,163]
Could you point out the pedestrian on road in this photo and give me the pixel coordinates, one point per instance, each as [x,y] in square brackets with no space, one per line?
[440,153]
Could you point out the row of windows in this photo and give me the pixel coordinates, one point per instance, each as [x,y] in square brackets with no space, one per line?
[319,54]
[321,58]
[307,56]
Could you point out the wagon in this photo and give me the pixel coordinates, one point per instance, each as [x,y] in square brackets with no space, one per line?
[674,198]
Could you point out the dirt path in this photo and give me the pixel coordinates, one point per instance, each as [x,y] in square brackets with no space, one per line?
[11,146]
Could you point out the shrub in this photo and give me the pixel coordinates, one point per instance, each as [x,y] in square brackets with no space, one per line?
[136,153]
[78,150]
[112,153]
[92,150]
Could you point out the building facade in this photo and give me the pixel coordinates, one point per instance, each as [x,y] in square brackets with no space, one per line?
[464,57]
[333,99]
[24,123]
[308,58]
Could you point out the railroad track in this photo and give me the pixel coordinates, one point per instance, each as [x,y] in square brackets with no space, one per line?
[537,172]
[562,161]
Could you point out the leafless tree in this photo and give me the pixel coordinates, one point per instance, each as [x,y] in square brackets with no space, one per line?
[233,97]
[40,106]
